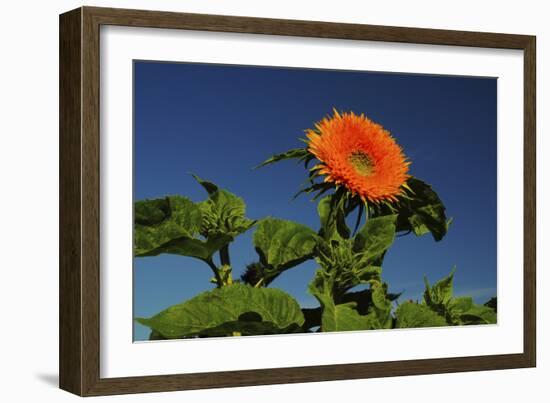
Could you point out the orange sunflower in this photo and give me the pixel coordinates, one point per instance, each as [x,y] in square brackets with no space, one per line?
[359,154]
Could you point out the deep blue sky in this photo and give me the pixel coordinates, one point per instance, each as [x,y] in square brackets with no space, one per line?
[220,121]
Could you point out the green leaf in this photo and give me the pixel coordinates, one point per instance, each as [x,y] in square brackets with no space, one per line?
[297,153]
[411,314]
[160,222]
[346,316]
[175,224]
[335,318]
[361,301]
[380,312]
[479,315]
[459,305]
[208,186]
[424,212]
[420,210]
[332,216]
[376,236]
[150,212]
[216,311]
[441,292]
[456,307]
[223,213]
[192,247]
[248,328]
[283,244]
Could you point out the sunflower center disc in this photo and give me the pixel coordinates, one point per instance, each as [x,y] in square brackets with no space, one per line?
[362,163]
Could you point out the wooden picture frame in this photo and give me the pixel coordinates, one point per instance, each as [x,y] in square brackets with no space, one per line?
[79,201]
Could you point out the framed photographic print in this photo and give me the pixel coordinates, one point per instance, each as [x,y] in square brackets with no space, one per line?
[249,201]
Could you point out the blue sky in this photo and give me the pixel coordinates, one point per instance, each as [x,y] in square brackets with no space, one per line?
[220,121]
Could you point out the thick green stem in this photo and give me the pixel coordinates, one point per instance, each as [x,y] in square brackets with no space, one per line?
[216,272]
[224,256]
[359,216]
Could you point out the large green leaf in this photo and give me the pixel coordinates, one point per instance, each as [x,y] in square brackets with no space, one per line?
[361,301]
[219,312]
[341,317]
[347,316]
[282,244]
[419,210]
[192,247]
[159,222]
[155,211]
[411,314]
[424,212]
[176,225]
[244,327]
[376,236]
[479,315]
[223,213]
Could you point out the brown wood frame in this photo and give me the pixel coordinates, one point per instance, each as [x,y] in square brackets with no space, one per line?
[79,201]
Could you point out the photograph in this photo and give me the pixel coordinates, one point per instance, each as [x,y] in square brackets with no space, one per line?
[272,200]
[250,199]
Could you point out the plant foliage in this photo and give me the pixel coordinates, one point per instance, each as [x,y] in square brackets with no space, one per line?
[348,283]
